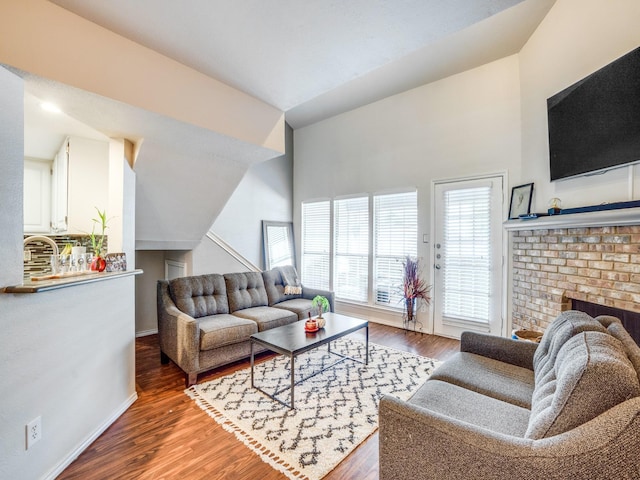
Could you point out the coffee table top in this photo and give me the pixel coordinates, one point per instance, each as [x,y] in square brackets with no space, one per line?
[292,339]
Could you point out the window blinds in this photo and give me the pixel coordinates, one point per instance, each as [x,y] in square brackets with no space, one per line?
[316,243]
[351,243]
[395,229]
[467,254]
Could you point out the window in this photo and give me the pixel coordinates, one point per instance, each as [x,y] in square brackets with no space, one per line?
[395,233]
[351,240]
[370,234]
[467,254]
[316,244]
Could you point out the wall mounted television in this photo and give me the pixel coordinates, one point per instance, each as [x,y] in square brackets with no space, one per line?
[594,125]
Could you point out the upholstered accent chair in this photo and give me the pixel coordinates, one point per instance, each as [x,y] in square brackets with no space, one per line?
[501,408]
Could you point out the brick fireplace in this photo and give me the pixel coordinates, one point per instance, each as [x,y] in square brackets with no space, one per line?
[589,257]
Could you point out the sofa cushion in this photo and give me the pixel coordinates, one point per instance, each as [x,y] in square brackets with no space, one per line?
[300,306]
[200,295]
[245,290]
[267,317]
[274,284]
[472,407]
[224,329]
[565,326]
[591,375]
[500,380]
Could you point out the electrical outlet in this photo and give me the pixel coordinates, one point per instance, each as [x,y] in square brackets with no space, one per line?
[34,431]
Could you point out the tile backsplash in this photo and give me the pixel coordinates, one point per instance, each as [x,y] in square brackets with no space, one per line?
[41,251]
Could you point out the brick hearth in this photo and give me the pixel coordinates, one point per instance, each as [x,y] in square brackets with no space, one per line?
[551,266]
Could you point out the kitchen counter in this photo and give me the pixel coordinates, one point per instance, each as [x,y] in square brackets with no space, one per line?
[32,286]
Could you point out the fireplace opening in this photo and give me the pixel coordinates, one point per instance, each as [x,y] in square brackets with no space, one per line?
[630,320]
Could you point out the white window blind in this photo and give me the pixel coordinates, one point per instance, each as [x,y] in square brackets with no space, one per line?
[395,230]
[467,254]
[316,243]
[351,244]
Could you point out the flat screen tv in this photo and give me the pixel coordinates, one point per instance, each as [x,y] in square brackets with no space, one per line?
[594,125]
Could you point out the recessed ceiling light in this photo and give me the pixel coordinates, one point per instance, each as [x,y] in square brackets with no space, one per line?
[50,107]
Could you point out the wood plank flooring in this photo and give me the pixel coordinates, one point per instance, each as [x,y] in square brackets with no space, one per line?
[164,435]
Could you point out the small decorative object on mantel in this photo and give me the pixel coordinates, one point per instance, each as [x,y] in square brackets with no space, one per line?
[414,289]
[520,200]
[555,206]
[322,304]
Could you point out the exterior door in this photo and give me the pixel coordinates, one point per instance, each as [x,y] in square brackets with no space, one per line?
[468,257]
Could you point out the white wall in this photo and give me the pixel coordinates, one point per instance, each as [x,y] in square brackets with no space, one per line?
[66,355]
[575,39]
[88,185]
[265,193]
[11,184]
[468,124]
[485,120]
[152,264]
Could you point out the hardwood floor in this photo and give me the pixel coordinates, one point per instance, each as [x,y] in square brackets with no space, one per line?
[164,435]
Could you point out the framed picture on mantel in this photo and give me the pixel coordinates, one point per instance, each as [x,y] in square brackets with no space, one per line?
[520,200]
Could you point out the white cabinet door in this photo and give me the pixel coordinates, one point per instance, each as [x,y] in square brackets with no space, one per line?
[59,189]
[37,196]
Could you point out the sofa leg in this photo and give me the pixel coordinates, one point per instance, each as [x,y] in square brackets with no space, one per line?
[191,379]
[164,358]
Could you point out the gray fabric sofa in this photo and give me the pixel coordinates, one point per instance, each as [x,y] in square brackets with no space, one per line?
[205,321]
[567,408]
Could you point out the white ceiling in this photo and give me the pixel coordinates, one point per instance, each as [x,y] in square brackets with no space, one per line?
[316,58]
[312,59]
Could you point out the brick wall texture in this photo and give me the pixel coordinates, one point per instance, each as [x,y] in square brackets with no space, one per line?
[551,267]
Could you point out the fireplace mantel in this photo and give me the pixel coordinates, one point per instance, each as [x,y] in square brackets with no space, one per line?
[602,218]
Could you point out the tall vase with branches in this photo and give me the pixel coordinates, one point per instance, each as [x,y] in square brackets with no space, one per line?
[414,288]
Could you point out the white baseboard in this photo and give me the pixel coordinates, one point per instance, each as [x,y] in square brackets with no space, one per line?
[64,463]
[144,333]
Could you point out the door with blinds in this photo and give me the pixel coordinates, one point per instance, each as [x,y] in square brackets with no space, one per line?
[467,267]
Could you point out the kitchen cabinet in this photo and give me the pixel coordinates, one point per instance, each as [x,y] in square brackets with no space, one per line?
[59,189]
[37,195]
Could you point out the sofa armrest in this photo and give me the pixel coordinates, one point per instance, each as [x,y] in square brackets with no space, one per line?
[515,352]
[418,444]
[178,332]
[309,293]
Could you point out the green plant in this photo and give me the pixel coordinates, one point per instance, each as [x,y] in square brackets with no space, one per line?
[97,243]
[321,303]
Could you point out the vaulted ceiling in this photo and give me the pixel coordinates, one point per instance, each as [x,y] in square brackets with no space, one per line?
[316,58]
[306,59]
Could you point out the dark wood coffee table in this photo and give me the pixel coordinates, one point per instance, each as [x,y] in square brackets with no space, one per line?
[292,340]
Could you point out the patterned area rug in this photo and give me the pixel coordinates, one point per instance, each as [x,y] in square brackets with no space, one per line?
[334,411]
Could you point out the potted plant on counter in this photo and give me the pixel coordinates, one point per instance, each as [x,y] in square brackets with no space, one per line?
[97,241]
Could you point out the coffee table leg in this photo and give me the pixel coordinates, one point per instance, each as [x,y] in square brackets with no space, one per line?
[292,379]
[251,342]
[366,350]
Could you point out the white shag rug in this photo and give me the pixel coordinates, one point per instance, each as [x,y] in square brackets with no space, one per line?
[334,411]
